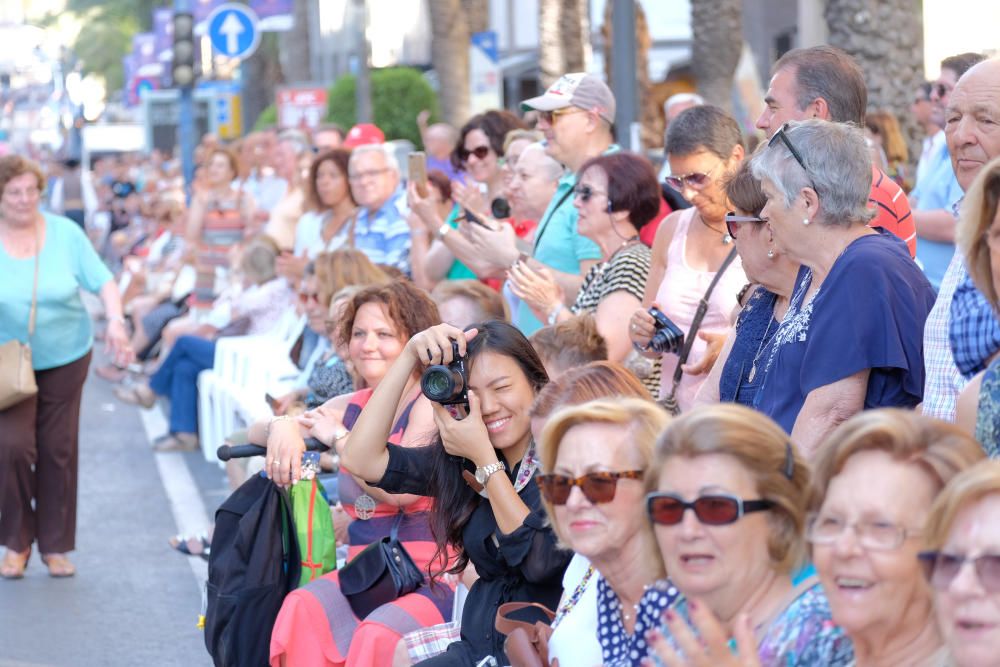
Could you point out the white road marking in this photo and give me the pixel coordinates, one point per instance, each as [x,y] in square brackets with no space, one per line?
[185,500]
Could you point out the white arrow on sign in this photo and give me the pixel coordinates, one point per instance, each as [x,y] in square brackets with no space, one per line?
[232,28]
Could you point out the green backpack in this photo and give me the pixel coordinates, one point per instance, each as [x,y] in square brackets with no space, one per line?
[314,529]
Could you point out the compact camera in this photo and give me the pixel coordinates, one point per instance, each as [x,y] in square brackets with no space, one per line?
[667,337]
[447,384]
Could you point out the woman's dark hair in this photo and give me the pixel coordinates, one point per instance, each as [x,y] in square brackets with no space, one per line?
[440,180]
[743,190]
[494,124]
[454,499]
[706,128]
[339,157]
[632,185]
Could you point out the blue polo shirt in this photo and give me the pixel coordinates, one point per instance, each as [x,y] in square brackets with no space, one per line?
[938,190]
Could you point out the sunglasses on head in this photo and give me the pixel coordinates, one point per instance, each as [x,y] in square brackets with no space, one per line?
[479,151]
[667,509]
[597,487]
[695,180]
[941,568]
[732,220]
[585,192]
[782,136]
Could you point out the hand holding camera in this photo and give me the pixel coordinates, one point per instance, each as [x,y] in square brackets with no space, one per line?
[652,331]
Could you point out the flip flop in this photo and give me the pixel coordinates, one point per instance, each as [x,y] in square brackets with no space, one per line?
[191,546]
[59,566]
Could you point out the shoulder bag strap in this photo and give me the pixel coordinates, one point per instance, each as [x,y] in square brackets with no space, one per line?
[34,287]
[543,228]
[394,533]
[505,625]
[699,315]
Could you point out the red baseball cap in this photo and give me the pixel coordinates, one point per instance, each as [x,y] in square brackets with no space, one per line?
[363,133]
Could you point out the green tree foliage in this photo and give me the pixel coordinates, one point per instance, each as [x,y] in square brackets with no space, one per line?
[268,118]
[106,34]
[398,95]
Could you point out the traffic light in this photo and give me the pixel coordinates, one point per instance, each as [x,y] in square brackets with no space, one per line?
[182,72]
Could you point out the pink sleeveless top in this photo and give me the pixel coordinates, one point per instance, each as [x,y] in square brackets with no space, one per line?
[678,295]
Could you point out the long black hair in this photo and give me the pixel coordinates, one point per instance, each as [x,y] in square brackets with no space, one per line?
[454,499]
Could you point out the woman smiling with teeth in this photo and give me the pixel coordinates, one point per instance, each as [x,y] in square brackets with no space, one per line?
[874,484]
[493,518]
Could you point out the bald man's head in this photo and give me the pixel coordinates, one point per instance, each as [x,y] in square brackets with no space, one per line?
[972,121]
[439,140]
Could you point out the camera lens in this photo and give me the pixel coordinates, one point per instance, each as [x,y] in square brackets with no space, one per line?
[440,383]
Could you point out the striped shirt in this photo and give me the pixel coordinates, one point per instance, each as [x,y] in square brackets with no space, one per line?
[384,235]
[892,209]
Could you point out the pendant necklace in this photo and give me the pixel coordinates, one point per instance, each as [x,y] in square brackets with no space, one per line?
[726,238]
[760,349]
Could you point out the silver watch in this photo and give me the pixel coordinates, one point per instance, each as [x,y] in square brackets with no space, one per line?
[483,474]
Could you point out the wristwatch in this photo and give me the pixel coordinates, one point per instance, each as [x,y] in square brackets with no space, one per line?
[443,230]
[554,314]
[483,474]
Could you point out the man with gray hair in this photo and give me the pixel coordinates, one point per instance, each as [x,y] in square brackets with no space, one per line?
[379,229]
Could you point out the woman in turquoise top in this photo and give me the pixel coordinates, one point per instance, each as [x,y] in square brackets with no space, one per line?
[39,436]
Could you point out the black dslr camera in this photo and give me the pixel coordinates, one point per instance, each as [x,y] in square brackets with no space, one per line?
[447,385]
[667,337]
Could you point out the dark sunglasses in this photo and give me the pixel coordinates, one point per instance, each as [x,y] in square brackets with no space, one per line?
[695,180]
[597,487]
[479,151]
[732,220]
[941,90]
[941,568]
[782,136]
[585,192]
[667,509]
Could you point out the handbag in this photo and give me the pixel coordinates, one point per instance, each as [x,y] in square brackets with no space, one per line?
[17,376]
[381,573]
[527,644]
[669,400]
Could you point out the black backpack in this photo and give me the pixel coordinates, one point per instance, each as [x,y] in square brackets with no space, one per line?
[254,564]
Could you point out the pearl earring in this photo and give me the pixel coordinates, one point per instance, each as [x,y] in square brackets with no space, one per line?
[805,221]
[770,254]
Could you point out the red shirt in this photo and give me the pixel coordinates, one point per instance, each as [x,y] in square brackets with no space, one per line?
[892,209]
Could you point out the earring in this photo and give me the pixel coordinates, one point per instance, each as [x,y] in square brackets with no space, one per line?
[805,221]
[770,254]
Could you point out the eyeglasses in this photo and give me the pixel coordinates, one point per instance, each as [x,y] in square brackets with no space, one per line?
[371,173]
[307,298]
[695,180]
[941,568]
[872,535]
[732,220]
[550,116]
[782,136]
[942,90]
[585,192]
[479,151]
[597,487]
[667,509]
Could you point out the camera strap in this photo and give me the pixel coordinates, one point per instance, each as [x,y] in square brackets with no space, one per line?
[699,315]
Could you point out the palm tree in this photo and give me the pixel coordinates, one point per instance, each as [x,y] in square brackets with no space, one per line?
[650,117]
[563,38]
[452,23]
[716,44]
[886,38]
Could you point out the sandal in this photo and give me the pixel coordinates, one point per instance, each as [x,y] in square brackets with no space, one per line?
[177,442]
[14,564]
[191,546]
[111,373]
[136,395]
[59,566]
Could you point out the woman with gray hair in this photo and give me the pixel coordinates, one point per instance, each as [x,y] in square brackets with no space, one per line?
[852,336]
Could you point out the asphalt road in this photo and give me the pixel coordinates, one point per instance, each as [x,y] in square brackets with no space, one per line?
[133,601]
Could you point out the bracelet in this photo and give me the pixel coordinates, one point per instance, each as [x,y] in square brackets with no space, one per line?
[267,434]
[120,319]
[443,230]
[554,314]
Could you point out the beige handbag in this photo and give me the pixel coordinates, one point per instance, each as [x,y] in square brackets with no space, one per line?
[17,377]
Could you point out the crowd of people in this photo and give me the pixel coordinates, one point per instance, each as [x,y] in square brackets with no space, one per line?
[796,342]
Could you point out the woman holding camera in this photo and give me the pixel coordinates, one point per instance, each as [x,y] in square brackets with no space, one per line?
[616,196]
[317,625]
[479,471]
[704,148]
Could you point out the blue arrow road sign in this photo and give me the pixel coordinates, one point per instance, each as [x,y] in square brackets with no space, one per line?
[232,29]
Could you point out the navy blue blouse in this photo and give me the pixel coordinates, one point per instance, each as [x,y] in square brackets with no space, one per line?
[868,314]
[755,329]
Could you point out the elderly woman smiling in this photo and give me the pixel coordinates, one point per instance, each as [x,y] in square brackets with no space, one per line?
[851,337]
[728,496]
[874,484]
[963,565]
[596,454]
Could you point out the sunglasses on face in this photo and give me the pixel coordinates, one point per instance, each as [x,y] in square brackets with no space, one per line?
[551,116]
[667,509]
[597,487]
[305,298]
[733,220]
[479,151]
[941,568]
[695,180]
[585,192]
[782,136]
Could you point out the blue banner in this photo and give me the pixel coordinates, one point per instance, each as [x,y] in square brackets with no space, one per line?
[163,29]
[274,15]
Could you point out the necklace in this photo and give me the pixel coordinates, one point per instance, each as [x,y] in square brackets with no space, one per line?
[627,242]
[726,238]
[760,349]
